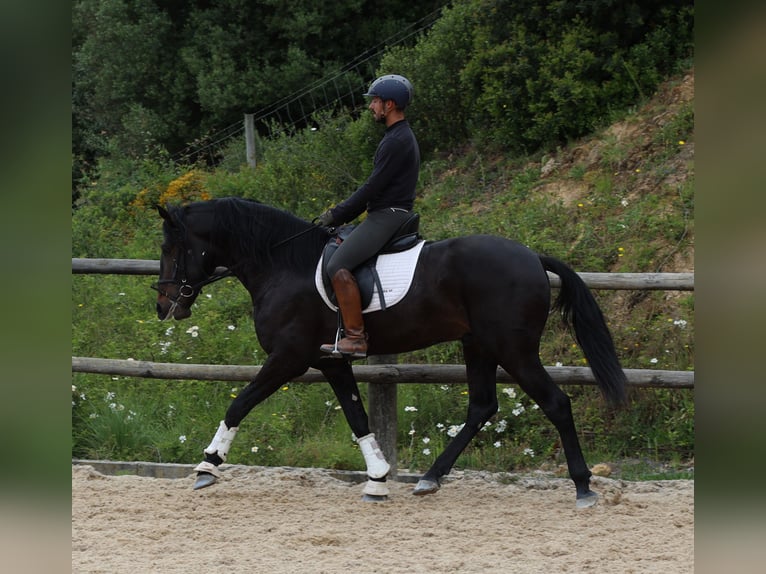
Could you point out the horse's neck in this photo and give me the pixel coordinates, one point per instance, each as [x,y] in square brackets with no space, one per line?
[274,251]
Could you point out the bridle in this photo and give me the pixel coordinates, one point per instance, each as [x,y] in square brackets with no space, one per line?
[179,279]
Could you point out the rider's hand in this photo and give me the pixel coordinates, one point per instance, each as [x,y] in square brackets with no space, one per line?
[326,219]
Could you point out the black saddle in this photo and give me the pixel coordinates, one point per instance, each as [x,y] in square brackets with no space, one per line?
[366,275]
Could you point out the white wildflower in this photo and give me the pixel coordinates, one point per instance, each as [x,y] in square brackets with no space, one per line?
[510,391]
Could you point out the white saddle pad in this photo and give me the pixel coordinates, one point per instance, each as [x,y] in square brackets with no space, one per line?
[395,271]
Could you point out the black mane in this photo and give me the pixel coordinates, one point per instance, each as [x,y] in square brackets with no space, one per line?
[252,231]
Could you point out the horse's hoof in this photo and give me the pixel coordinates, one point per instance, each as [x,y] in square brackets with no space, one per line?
[374,498]
[425,487]
[587,500]
[204,479]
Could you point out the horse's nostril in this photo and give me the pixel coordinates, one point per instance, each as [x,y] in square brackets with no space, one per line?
[159,309]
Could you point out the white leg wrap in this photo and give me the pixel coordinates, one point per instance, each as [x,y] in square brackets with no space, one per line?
[375,488]
[208,467]
[377,467]
[221,442]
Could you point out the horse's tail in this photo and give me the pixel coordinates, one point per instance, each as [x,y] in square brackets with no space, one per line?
[580,310]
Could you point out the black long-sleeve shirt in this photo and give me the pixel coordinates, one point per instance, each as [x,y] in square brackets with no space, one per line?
[396,167]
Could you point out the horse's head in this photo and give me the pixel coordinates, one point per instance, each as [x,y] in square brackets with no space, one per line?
[185,267]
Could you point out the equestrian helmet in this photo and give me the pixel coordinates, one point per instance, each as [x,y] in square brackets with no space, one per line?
[392,87]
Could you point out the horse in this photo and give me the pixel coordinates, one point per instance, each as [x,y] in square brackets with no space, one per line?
[491,293]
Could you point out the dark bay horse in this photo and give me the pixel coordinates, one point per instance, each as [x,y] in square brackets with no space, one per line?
[492,294]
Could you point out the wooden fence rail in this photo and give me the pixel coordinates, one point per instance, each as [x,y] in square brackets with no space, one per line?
[647,281]
[386,374]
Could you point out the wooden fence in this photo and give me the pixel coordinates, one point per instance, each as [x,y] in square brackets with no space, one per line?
[379,374]
[610,281]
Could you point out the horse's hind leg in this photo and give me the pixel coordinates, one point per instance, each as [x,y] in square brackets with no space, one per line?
[555,403]
[481,372]
[343,383]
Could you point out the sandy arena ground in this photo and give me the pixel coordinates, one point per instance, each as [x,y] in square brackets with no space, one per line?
[280,520]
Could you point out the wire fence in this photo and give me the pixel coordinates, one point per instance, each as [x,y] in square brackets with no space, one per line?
[342,89]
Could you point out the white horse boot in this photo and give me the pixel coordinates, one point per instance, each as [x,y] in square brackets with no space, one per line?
[377,468]
[220,445]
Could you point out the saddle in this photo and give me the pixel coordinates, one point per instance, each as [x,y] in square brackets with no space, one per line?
[366,275]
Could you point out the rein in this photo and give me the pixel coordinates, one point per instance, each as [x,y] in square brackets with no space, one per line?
[296,236]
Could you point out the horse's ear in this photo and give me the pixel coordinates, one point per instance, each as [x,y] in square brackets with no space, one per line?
[164,214]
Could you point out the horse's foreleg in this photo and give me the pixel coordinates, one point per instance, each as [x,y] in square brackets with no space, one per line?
[482,404]
[343,383]
[215,454]
[271,377]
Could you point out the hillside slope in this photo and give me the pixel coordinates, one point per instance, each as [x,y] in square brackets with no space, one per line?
[621,200]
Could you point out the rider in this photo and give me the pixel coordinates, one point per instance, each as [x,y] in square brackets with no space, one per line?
[387,195]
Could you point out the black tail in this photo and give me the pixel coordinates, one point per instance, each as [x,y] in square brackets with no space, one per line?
[579,308]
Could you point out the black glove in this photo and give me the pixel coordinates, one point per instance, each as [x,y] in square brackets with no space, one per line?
[326,219]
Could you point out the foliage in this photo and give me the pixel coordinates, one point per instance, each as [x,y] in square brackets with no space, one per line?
[529,75]
[149,75]
[516,75]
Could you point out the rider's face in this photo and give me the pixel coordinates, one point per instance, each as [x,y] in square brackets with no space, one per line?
[379,109]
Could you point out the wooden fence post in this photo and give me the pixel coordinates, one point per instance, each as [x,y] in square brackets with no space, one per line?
[250,139]
[381,398]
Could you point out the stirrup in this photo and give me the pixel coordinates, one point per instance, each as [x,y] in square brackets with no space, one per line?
[333,352]
[332,348]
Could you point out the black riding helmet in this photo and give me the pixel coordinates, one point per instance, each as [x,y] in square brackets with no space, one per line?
[392,87]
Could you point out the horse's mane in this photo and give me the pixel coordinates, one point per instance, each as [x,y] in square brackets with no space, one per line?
[252,231]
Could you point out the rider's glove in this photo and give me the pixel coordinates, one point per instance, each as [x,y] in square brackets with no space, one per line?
[326,219]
